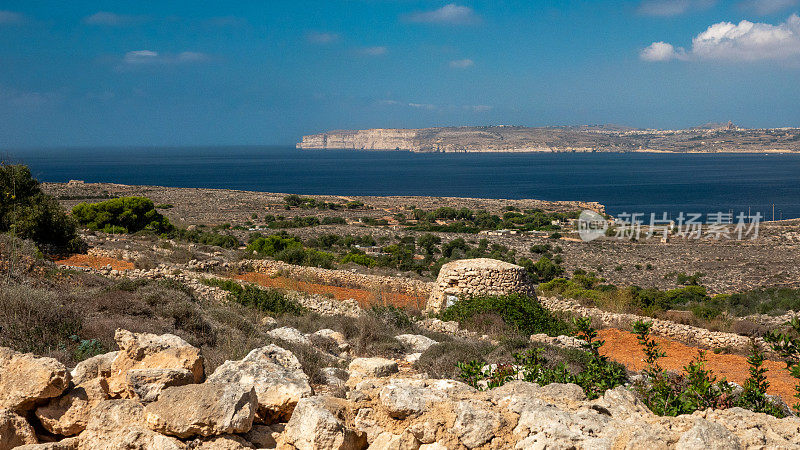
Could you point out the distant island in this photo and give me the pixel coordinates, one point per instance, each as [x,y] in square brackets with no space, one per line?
[710,138]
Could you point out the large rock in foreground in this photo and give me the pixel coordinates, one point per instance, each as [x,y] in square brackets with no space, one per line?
[275,374]
[150,351]
[317,423]
[26,380]
[208,409]
[14,430]
[69,414]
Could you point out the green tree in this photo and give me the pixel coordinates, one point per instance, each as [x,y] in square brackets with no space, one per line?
[31,214]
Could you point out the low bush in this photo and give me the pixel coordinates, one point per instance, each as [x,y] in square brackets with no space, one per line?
[787,345]
[122,215]
[268,300]
[598,375]
[523,313]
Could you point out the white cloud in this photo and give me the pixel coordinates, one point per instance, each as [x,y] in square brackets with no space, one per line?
[765,7]
[321,38]
[660,51]
[149,57]
[111,19]
[671,8]
[426,106]
[374,51]
[10,17]
[462,63]
[449,14]
[725,41]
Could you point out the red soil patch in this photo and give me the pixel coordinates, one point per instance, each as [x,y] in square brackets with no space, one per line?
[623,347]
[95,262]
[364,297]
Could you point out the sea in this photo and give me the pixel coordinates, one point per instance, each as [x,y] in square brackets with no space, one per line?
[626,183]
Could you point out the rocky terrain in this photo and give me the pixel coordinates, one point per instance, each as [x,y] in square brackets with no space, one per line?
[707,139]
[155,393]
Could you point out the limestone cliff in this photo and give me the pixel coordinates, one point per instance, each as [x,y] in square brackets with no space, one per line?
[559,139]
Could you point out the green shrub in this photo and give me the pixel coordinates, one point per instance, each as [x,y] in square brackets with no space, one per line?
[125,214]
[524,313]
[598,375]
[787,345]
[267,300]
[31,214]
[754,395]
[272,245]
[697,390]
[543,270]
[359,258]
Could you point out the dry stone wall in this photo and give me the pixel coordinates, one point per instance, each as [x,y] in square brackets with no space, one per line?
[475,277]
[341,278]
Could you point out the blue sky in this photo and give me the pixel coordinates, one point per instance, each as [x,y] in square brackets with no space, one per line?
[119,73]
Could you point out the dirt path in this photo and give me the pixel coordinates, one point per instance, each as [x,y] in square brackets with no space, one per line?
[622,346]
[95,262]
[364,297]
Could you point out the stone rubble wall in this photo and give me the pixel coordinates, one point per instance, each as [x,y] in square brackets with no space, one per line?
[687,334]
[476,277]
[341,278]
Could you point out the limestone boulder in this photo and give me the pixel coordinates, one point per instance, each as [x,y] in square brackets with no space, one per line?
[147,384]
[265,436]
[227,442]
[373,367]
[15,430]
[318,423]
[416,342]
[69,414]
[276,376]
[128,438]
[708,436]
[290,335]
[208,409]
[401,400]
[96,366]
[111,415]
[150,351]
[64,444]
[26,380]
[476,423]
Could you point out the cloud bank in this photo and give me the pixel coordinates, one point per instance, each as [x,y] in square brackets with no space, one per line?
[149,57]
[462,63]
[450,14]
[725,41]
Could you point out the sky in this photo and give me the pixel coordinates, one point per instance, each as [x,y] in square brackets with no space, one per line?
[262,72]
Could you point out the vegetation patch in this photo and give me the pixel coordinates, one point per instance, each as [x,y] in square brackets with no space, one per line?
[29,213]
[523,313]
[268,300]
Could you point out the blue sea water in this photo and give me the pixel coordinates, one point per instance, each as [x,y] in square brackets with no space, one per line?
[632,183]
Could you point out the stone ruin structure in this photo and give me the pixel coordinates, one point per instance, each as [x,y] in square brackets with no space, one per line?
[475,277]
